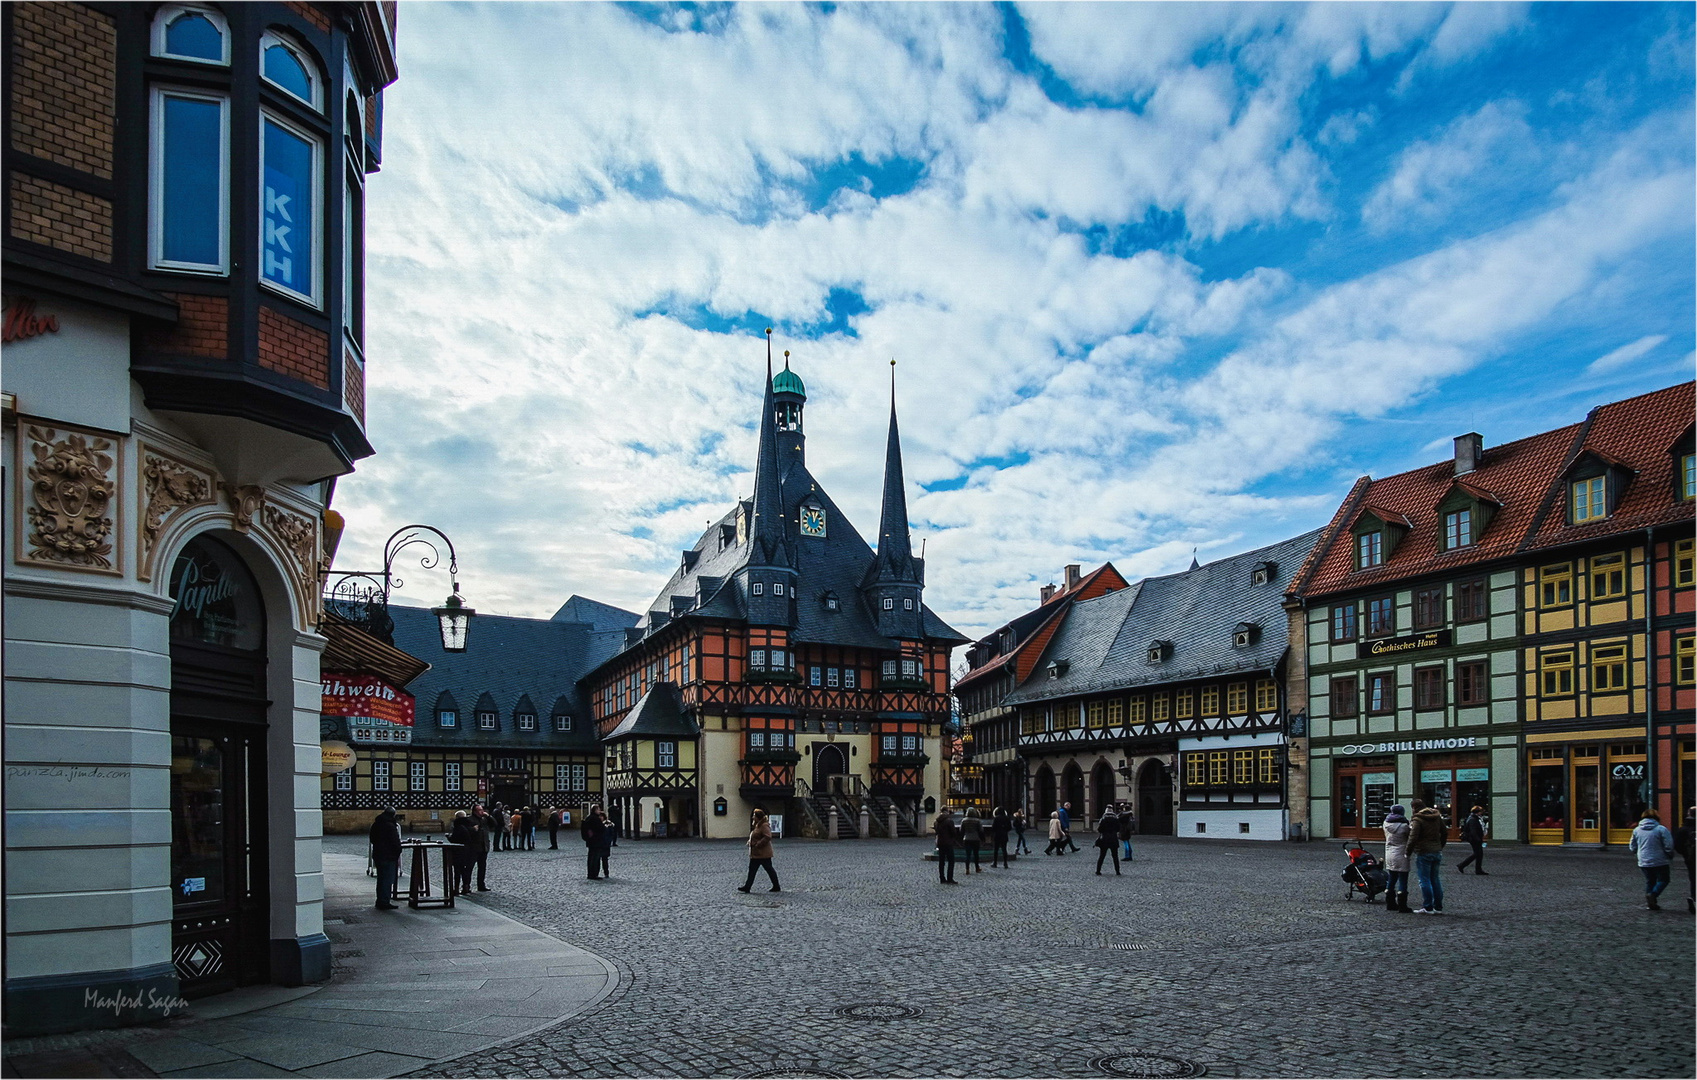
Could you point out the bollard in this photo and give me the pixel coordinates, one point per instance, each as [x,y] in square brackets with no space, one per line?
[831,825]
[865,823]
[894,818]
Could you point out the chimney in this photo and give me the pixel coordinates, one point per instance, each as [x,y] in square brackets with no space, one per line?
[1072,575]
[1469,449]
[1046,592]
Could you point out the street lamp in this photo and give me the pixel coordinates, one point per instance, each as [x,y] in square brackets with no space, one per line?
[362,596]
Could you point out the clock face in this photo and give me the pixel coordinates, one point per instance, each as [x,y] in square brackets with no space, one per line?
[812,521]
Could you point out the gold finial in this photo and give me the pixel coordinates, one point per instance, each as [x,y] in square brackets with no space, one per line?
[768,331]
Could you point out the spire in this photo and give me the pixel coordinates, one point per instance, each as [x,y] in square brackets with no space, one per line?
[895,549]
[1194,565]
[767,532]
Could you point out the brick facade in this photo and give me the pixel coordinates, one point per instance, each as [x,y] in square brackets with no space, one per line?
[353,387]
[60,217]
[311,14]
[64,75]
[293,348]
[203,328]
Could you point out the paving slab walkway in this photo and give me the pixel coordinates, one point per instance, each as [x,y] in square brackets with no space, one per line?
[410,988]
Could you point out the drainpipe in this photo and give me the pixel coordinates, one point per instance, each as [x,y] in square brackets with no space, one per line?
[1650,669]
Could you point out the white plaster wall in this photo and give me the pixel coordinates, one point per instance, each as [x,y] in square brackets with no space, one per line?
[1226,824]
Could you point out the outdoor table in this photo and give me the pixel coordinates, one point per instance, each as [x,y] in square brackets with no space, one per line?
[419,893]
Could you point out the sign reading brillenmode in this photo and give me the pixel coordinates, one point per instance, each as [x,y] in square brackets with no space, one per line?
[1401,646]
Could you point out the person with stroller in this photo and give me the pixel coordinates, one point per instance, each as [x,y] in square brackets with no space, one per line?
[1000,825]
[1108,839]
[1396,860]
[1473,831]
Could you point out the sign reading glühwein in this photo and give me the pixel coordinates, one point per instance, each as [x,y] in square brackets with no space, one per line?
[375,710]
[1401,646]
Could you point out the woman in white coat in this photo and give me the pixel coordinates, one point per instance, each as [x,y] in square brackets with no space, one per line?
[1396,859]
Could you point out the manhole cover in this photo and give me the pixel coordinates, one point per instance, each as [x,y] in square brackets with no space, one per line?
[800,1073]
[879,1010]
[1143,1065]
[1122,947]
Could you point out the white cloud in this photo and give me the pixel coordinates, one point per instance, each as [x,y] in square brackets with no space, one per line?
[1626,354]
[1432,176]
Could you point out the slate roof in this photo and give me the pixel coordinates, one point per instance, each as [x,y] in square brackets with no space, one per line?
[1104,641]
[509,658]
[1025,627]
[1527,478]
[658,712]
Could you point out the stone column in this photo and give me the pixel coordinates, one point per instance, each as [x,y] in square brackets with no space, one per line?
[894,819]
[831,824]
[865,823]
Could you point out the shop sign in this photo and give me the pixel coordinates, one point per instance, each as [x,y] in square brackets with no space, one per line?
[1379,778]
[22,323]
[1626,771]
[337,757]
[1409,643]
[1434,776]
[1465,776]
[367,698]
[1404,747]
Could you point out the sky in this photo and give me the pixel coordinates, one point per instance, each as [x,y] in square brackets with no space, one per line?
[1158,278]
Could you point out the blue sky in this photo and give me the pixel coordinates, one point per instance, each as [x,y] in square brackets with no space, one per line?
[1158,276]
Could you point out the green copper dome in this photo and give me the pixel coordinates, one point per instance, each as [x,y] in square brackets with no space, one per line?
[788,382]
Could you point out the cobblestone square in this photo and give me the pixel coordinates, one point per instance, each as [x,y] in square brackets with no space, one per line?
[1221,958]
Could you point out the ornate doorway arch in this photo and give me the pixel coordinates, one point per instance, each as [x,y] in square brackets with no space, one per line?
[829,760]
[1102,788]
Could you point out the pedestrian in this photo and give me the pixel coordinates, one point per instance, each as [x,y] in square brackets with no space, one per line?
[386,855]
[465,833]
[497,824]
[515,825]
[485,834]
[1653,844]
[1427,833]
[947,837]
[760,851]
[1128,825]
[1108,839]
[527,828]
[554,829]
[614,828]
[1396,860]
[595,839]
[1066,825]
[971,837]
[1019,823]
[1473,831]
[1683,841]
[1056,835]
[1000,825]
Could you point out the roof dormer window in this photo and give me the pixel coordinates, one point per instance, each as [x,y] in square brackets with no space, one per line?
[1244,635]
[1588,499]
[1377,533]
[1458,529]
[1058,668]
[831,602]
[1159,650]
[1263,573]
[1369,549]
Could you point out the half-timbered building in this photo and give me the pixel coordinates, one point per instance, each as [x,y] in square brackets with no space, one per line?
[790,665]
[1168,694]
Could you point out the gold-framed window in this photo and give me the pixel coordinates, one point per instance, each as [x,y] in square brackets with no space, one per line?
[1683,575]
[1195,770]
[1266,766]
[1608,576]
[1588,499]
[1243,767]
[1237,698]
[1219,765]
[1098,714]
[1608,668]
[1137,709]
[1555,670]
[1555,585]
[1685,660]
[1210,701]
[1266,696]
[1184,704]
[1163,704]
[1116,712]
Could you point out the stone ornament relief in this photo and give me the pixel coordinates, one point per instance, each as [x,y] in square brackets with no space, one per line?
[299,535]
[73,487]
[168,486]
[245,502]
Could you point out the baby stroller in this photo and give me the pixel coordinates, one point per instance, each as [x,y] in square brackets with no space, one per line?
[1364,874]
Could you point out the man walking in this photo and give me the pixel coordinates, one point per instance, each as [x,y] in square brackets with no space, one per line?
[1654,846]
[1473,831]
[1108,839]
[1426,836]
[386,856]
[1020,846]
[527,828]
[1066,827]
[948,837]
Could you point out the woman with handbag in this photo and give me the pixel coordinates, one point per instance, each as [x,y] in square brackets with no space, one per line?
[760,851]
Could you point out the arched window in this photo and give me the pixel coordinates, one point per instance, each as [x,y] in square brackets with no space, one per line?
[199,34]
[286,66]
[217,599]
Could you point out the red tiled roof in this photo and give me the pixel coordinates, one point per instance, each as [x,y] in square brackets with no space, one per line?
[1637,433]
[1105,575]
[1526,478]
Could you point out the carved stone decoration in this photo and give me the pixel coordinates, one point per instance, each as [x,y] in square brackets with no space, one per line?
[245,502]
[73,482]
[299,534]
[168,486]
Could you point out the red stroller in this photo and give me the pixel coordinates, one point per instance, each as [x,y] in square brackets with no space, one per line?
[1364,874]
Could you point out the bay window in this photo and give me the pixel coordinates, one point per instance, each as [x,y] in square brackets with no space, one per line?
[188,226]
[291,200]
[191,33]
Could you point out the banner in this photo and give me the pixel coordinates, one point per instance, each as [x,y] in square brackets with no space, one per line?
[367,697]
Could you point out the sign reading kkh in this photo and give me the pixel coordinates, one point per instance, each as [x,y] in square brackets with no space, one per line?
[1409,643]
[375,711]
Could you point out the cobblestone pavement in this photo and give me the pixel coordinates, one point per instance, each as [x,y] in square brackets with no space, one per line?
[1233,958]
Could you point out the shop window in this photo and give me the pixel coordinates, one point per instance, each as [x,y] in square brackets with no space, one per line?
[666,755]
[291,201]
[1219,762]
[1097,714]
[1608,668]
[1381,617]
[1458,529]
[1266,696]
[1210,701]
[379,776]
[1184,704]
[1429,688]
[451,776]
[189,182]
[1381,692]
[1683,576]
[1344,702]
[1472,600]
[286,66]
[1369,550]
[1472,683]
[1162,706]
[1587,499]
[1237,699]
[191,33]
[1685,660]
[1555,585]
[1138,709]
[1556,673]
[1343,622]
[1243,767]
[1428,608]
[1547,794]
[1608,577]
[1116,712]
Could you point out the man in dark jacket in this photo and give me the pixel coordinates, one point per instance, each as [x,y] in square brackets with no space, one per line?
[1108,839]
[1427,832]
[386,855]
[527,828]
[554,830]
[480,853]
[1066,826]
[467,833]
[1683,842]
[948,838]
[1473,832]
